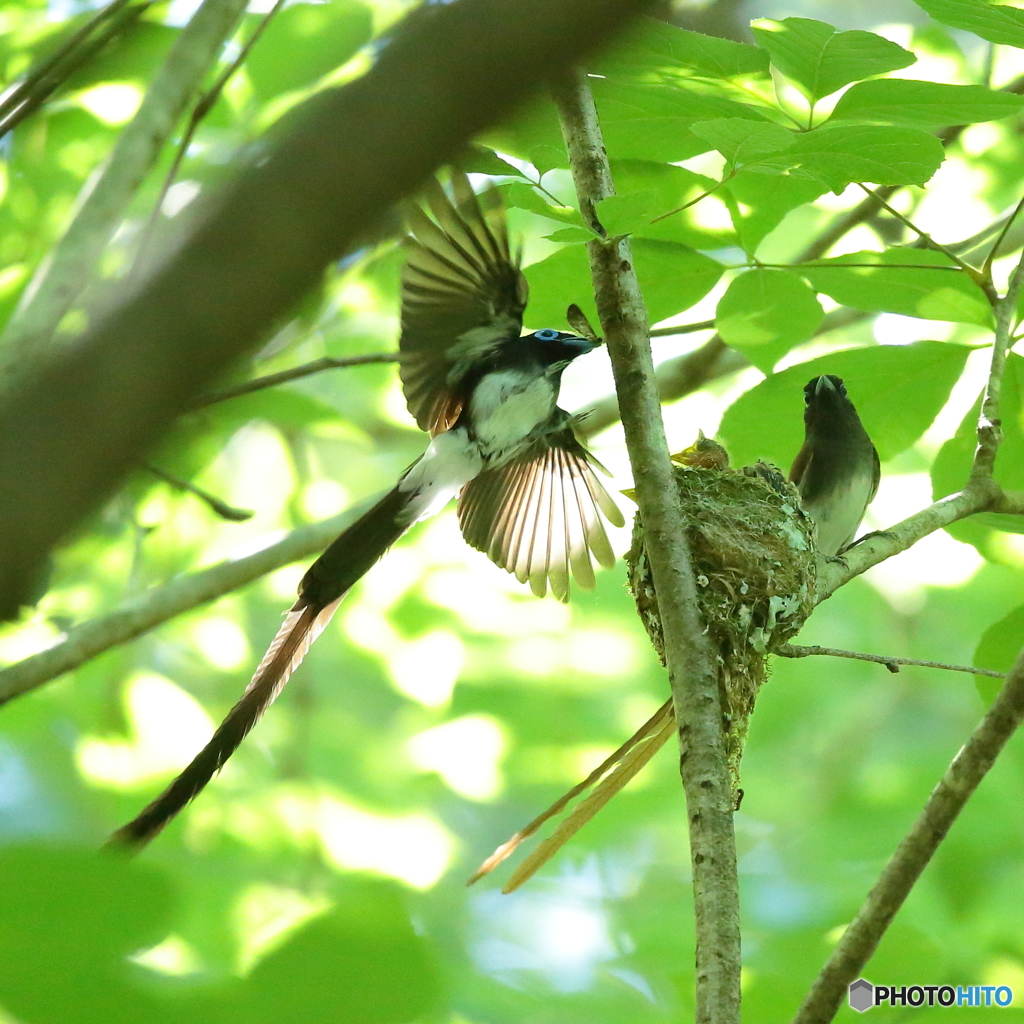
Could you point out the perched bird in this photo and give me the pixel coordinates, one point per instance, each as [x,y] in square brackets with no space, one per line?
[528,494]
[836,471]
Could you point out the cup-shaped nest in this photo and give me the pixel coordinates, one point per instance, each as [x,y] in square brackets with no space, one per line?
[754,563]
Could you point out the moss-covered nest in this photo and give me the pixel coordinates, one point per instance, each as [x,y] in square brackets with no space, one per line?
[754,560]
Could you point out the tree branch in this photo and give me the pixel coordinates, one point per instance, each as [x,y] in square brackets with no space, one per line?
[143,613]
[980,495]
[45,79]
[990,428]
[892,664]
[688,654]
[60,279]
[914,852]
[203,106]
[324,178]
[271,380]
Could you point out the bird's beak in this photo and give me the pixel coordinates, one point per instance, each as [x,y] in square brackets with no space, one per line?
[823,384]
[585,345]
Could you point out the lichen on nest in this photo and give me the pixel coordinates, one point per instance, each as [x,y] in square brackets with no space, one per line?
[754,561]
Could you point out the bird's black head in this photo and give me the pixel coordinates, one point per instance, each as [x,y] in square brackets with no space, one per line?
[557,349]
[823,388]
[829,409]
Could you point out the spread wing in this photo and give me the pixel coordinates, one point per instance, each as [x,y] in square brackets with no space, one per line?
[539,516]
[462,292]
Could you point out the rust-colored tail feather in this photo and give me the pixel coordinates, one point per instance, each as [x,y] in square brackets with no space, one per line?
[328,580]
[303,624]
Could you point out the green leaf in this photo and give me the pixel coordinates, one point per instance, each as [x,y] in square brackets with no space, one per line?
[743,142]
[625,214]
[533,134]
[570,236]
[998,649]
[304,42]
[898,391]
[482,160]
[903,101]
[952,466]
[821,60]
[869,153]
[656,44]
[665,187]
[765,312]
[930,294]
[361,964]
[128,56]
[759,203]
[997,23]
[526,197]
[672,277]
[649,121]
[68,919]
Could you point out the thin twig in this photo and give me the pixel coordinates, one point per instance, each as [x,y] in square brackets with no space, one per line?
[990,430]
[688,653]
[982,494]
[37,75]
[183,594]
[693,202]
[915,851]
[25,100]
[863,211]
[994,251]
[892,664]
[220,508]
[60,280]
[272,380]
[982,280]
[671,332]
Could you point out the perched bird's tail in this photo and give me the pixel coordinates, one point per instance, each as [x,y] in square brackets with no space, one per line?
[330,577]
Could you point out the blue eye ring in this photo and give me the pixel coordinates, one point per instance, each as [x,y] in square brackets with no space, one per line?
[546,335]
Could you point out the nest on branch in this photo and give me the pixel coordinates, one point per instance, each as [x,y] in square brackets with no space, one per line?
[754,562]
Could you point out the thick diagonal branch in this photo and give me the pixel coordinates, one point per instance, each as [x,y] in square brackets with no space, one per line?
[147,611]
[913,854]
[60,280]
[688,654]
[70,433]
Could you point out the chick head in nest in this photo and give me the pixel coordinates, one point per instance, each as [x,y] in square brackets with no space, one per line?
[754,563]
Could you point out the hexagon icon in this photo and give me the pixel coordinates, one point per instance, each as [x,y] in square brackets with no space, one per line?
[862,995]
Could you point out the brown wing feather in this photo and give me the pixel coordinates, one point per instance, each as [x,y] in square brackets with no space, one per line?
[539,516]
[462,293]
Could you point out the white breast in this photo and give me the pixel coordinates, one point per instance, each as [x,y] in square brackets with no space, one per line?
[507,406]
[838,515]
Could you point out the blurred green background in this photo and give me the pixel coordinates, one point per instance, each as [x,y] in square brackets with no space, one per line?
[322,876]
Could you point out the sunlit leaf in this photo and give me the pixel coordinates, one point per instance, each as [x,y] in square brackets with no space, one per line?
[898,391]
[869,153]
[766,312]
[902,101]
[821,60]
[932,294]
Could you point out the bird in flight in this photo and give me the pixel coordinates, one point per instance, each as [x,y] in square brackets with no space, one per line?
[487,394]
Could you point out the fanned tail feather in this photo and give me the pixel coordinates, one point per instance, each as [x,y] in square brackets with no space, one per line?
[303,624]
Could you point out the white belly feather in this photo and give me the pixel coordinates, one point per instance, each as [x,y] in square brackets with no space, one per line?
[507,406]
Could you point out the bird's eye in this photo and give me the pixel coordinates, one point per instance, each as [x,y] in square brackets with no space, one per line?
[546,335]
